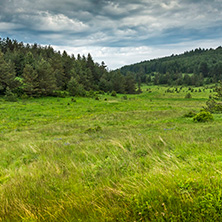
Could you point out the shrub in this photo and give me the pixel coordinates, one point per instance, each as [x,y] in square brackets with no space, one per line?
[190,114]
[10,96]
[203,116]
[124,97]
[188,96]
[218,90]
[91,94]
[113,93]
[213,106]
[73,100]
[61,94]
[24,96]
[139,91]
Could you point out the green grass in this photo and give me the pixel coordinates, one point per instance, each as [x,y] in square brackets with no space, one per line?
[134,159]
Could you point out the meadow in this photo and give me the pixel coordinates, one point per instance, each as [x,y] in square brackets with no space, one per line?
[125,158]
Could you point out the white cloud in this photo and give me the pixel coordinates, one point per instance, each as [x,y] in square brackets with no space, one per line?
[116,57]
[170,5]
[44,21]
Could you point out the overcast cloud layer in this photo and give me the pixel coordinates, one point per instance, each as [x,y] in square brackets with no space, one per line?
[118,32]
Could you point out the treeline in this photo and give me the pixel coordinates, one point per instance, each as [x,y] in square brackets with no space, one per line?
[34,70]
[196,67]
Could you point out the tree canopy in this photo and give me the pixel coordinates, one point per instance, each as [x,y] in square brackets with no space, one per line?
[37,70]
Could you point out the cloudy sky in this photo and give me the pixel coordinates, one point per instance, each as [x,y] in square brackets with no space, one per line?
[119,32]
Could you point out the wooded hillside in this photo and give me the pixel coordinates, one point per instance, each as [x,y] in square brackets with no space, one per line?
[196,67]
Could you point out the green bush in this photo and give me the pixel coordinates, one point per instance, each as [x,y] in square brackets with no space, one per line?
[124,97]
[113,93]
[213,106]
[190,114]
[203,116]
[188,96]
[10,96]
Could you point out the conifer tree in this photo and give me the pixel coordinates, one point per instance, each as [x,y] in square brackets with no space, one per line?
[7,75]
[46,78]
[30,80]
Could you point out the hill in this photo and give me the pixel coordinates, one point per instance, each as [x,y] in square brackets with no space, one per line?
[196,67]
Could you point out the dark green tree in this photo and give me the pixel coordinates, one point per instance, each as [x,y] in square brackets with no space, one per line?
[75,89]
[46,78]
[130,82]
[30,81]
[203,69]
[118,82]
[7,75]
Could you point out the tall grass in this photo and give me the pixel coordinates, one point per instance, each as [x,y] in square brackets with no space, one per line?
[110,160]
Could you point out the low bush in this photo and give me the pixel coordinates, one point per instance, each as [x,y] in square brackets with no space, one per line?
[113,93]
[203,116]
[188,96]
[213,106]
[10,96]
[190,114]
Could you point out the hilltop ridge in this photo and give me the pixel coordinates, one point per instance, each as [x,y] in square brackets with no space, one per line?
[195,67]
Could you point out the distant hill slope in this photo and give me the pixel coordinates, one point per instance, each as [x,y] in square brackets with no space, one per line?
[205,65]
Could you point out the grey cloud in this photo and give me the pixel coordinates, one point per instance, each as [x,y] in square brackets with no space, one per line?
[110,23]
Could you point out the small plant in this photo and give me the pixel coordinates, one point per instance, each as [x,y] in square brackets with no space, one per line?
[188,96]
[24,96]
[190,114]
[214,104]
[203,116]
[73,100]
[94,129]
[124,97]
[10,96]
[139,91]
[113,93]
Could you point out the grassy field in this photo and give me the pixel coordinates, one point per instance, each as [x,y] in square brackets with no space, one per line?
[134,158]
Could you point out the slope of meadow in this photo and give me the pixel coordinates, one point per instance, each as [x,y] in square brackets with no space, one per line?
[133,158]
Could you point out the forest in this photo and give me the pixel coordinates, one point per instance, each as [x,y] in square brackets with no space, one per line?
[194,68]
[35,70]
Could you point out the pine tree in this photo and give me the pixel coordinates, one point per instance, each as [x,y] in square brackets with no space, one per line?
[58,71]
[130,84]
[7,75]
[118,82]
[75,89]
[46,78]
[30,80]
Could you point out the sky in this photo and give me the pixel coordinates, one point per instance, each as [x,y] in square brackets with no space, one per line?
[119,32]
